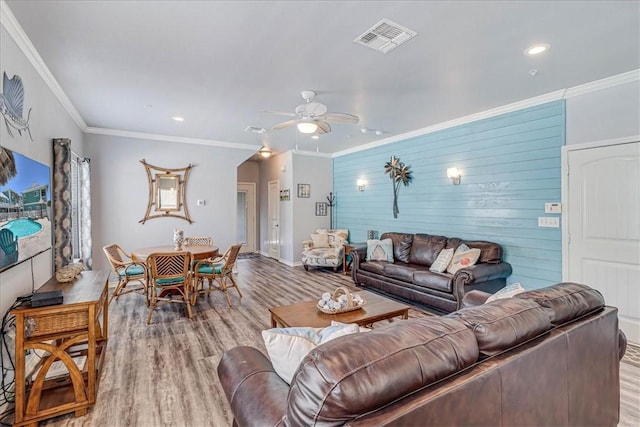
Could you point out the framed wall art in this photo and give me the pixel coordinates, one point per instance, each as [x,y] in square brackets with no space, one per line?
[321,209]
[304,191]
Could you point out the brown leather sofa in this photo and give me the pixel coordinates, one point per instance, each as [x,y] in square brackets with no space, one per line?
[547,357]
[409,277]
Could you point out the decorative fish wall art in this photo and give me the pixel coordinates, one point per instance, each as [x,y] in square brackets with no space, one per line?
[11,105]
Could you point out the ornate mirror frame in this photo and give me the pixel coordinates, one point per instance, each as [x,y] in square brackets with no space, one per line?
[167,192]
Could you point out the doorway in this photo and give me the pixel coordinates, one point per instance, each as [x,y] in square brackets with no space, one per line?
[602,237]
[274,220]
[246,211]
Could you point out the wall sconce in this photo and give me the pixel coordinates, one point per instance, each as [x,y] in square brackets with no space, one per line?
[454,174]
[361,183]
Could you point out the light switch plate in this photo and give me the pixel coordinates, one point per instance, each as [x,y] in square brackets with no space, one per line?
[548,221]
[554,208]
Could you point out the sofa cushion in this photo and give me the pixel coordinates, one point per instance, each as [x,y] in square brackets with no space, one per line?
[503,324]
[433,280]
[288,346]
[425,249]
[401,245]
[343,378]
[376,267]
[566,301]
[399,271]
[490,253]
[379,250]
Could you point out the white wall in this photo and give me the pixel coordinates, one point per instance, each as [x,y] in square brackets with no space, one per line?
[608,113]
[49,120]
[317,172]
[120,188]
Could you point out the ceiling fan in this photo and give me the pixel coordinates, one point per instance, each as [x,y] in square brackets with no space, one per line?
[312,117]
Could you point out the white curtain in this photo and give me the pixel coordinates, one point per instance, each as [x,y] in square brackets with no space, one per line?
[85,212]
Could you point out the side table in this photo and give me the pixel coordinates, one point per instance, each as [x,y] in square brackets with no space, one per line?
[346,266]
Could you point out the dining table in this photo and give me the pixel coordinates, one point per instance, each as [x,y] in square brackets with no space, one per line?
[198,252]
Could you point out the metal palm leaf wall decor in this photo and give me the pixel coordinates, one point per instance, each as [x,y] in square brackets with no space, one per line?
[399,174]
[11,105]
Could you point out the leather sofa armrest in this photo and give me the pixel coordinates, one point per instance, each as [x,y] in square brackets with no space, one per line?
[257,395]
[474,298]
[477,274]
[622,344]
[359,254]
[481,273]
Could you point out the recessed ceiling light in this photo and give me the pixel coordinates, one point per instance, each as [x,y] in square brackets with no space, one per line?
[536,49]
[177,118]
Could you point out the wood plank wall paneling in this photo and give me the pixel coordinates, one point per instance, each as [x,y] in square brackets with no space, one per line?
[510,167]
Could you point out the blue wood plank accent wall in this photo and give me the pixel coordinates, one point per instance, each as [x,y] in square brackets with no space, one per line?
[510,166]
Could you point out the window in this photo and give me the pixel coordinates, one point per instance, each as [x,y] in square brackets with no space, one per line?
[75,206]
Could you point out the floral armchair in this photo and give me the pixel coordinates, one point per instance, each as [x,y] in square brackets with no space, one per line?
[325,249]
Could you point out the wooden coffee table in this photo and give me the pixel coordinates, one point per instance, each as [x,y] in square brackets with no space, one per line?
[306,313]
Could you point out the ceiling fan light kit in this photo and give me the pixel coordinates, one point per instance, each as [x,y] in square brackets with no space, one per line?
[307,127]
[312,117]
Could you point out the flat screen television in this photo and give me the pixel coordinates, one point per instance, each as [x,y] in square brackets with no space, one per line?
[25,208]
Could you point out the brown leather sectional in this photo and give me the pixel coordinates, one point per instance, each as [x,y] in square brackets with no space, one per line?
[547,357]
[409,276]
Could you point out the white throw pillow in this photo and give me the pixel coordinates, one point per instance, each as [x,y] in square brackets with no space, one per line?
[380,250]
[288,346]
[320,240]
[506,292]
[442,262]
[463,259]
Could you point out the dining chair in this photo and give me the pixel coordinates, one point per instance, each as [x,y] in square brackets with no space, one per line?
[170,280]
[218,272]
[126,270]
[198,241]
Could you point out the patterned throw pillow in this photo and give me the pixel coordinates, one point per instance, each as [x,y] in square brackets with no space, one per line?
[288,346]
[442,262]
[463,257]
[380,250]
[506,292]
[320,240]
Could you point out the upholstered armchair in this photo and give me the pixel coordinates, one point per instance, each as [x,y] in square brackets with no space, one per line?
[325,249]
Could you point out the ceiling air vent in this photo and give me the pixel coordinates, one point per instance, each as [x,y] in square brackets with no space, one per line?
[254,129]
[384,36]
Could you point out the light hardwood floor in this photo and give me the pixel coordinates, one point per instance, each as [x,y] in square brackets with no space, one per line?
[164,374]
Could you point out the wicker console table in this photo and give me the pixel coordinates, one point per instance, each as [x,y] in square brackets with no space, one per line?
[75,335]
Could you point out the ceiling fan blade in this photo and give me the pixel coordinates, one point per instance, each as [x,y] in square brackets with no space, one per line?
[342,118]
[323,127]
[280,113]
[286,124]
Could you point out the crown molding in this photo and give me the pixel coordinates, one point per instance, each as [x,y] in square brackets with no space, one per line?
[515,106]
[620,79]
[311,153]
[10,23]
[594,86]
[168,138]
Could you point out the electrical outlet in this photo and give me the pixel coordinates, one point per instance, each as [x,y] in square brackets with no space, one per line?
[200,202]
[548,221]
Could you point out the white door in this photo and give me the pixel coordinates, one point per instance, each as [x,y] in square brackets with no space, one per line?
[246,211]
[274,219]
[603,218]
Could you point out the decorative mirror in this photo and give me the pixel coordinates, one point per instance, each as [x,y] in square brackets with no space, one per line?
[167,195]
